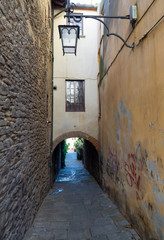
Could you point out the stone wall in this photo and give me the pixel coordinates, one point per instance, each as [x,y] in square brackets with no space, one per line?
[25,74]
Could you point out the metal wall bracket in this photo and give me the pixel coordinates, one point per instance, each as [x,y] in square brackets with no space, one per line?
[133,15]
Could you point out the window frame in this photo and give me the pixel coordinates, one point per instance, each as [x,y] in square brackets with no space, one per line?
[73,80]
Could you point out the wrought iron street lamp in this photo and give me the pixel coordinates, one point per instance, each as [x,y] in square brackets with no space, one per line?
[69,35]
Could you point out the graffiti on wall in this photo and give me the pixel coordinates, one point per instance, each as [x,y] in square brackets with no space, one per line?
[132,164]
[113,164]
[132,176]
[133,168]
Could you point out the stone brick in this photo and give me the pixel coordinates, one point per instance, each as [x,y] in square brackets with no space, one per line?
[7,143]
[2,61]
[24,135]
[3,123]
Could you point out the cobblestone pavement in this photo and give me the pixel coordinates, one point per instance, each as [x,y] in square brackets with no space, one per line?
[77,209]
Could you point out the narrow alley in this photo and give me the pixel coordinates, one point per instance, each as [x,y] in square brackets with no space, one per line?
[91,71]
[77,209]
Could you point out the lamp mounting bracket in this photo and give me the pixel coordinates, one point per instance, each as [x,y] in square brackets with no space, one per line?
[70,33]
[77,18]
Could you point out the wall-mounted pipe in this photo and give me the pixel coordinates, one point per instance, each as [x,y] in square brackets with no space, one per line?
[52,117]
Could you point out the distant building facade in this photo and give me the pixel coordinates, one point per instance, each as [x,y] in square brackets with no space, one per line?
[75,77]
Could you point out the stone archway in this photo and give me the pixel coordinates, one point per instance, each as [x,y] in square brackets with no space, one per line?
[91,151]
[76,134]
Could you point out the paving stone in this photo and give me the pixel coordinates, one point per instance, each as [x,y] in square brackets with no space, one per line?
[100,237]
[78,224]
[105,229]
[52,224]
[102,221]
[80,212]
[121,236]
[61,233]
[135,235]
[79,234]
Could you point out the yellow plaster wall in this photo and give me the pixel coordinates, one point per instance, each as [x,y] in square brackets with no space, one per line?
[132,117]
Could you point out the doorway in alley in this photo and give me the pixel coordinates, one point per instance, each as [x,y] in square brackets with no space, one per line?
[79,151]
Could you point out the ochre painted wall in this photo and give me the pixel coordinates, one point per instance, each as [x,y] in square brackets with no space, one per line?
[132,116]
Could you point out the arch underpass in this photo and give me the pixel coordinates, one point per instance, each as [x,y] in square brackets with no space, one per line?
[77,134]
[90,153]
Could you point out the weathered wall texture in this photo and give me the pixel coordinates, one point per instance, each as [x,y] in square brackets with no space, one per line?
[25,60]
[132,116]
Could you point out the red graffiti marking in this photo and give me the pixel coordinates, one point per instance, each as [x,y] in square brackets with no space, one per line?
[137,196]
[131,173]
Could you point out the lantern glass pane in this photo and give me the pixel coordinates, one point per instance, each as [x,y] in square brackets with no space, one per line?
[69,37]
[69,50]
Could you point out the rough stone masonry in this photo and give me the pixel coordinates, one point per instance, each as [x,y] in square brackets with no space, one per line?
[25,75]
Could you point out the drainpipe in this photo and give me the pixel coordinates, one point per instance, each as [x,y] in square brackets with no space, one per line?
[52,93]
[52,74]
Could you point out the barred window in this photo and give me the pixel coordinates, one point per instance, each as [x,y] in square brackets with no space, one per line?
[75,101]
